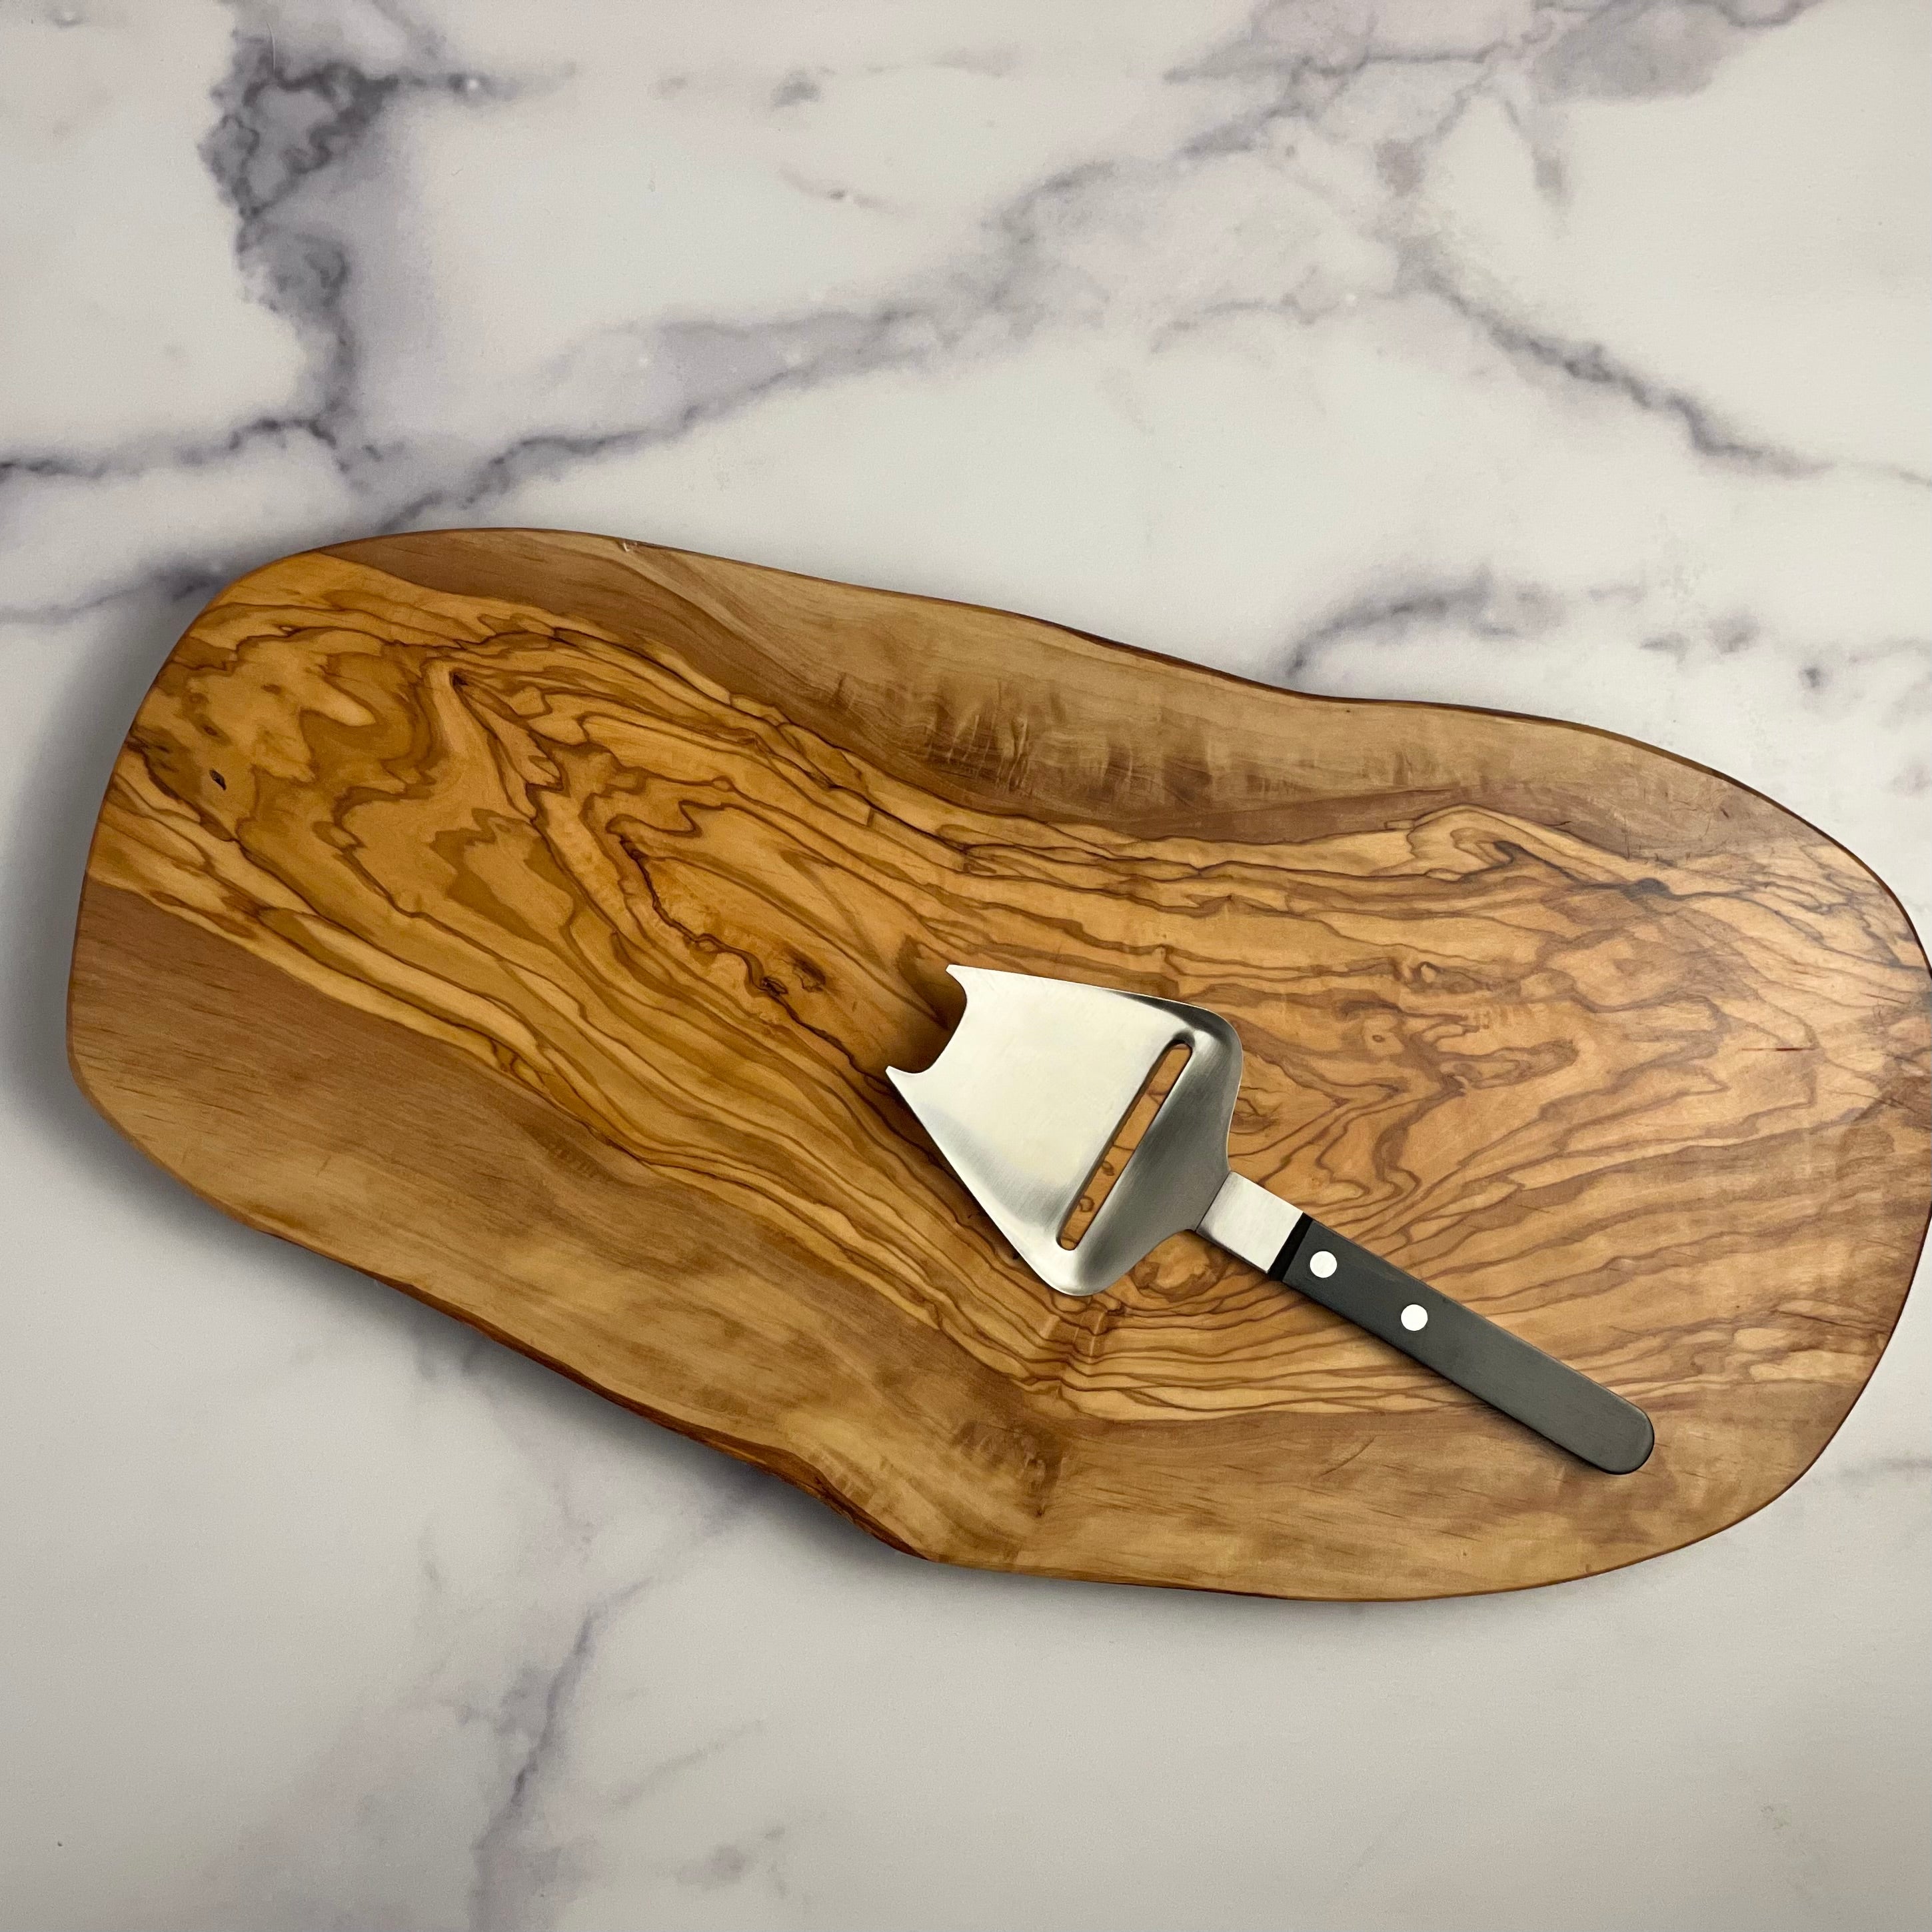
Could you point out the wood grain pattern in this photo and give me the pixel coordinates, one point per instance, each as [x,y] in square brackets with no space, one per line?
[529,920]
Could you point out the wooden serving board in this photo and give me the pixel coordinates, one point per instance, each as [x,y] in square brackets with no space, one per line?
[529,919]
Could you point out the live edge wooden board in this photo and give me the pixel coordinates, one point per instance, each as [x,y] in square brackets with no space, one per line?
[529,920]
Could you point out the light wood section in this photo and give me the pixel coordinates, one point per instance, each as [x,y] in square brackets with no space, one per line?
[529,920]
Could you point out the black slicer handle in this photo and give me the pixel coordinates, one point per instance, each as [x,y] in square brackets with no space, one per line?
[1571,1410]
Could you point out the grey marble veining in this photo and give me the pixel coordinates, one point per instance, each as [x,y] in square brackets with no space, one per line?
[1567,358]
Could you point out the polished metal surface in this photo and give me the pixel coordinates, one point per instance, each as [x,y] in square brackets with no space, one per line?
[1032,1088]
[1250,1221]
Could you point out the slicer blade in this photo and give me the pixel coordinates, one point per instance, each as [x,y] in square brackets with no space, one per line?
[1030,1091]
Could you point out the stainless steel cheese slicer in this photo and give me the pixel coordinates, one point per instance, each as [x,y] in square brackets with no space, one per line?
[1032,1090]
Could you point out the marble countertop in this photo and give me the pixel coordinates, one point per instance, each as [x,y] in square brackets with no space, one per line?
[1568,358]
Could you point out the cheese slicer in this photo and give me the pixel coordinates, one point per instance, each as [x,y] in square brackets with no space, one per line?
[1030,1092]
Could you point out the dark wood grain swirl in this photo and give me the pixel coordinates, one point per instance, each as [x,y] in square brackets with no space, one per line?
[529,918]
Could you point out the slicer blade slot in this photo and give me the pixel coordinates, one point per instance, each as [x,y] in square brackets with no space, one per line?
[1112,1163]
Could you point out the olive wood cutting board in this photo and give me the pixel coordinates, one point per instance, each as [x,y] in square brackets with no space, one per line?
[529,920]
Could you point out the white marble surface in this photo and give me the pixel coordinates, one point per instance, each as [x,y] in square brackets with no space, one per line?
[1569,358]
